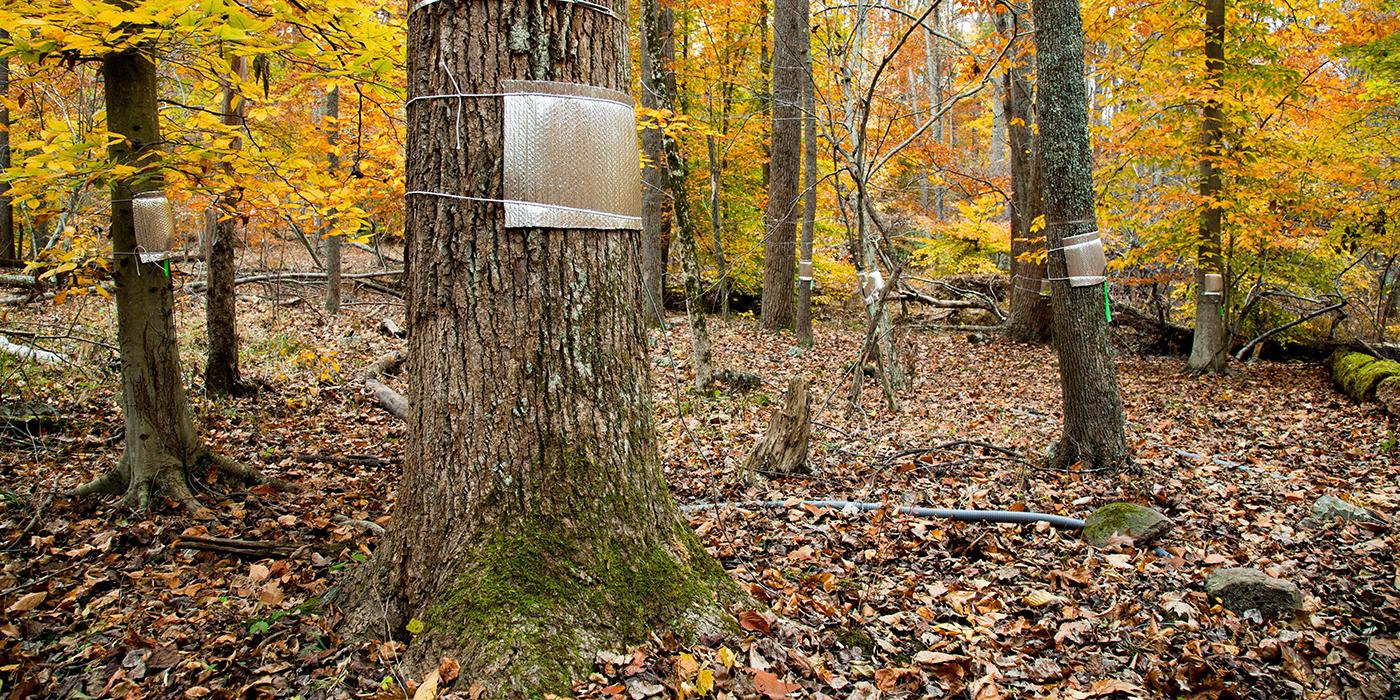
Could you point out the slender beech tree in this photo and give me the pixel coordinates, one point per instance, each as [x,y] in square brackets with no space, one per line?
[809,200]
[1029,320]
[532,525]
[1209,343]
[9,245]
[1093,410]
[717,227]
[330,116]
[790,34]
[655,231]
[161,450]
[221,373]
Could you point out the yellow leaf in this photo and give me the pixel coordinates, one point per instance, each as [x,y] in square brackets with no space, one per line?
[1037,599]
[726,657]
[705,682]
[415,626]
[1038,224]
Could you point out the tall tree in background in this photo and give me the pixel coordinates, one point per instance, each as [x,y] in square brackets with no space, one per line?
[221,372]
[1029,320]
[330,117]
[790,60]
[809,199]
[1093,410]
[161,450]
[655,233]
[1209,343]
[532,525]
[9,246]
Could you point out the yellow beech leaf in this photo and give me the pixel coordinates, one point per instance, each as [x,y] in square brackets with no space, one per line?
[414,626]
[726,657]
[705,682]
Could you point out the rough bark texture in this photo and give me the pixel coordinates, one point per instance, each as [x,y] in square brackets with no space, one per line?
[717,227]
[656,35]
[532,524]
[700,354]
[1093,410]
[9,247]
[221,373]
[809,199]
[1209,344]
[161,448]
[790,36]
[783,449]
[1029,320]
[330,113]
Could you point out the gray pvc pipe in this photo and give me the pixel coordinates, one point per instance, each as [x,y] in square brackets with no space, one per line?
[981,516]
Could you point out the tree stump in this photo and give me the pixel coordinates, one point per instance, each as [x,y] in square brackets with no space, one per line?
[783,449]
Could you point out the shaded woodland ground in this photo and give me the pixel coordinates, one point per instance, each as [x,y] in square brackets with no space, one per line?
[862,605]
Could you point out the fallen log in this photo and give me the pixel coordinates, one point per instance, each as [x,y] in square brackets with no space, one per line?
[275,277]
[30,353]
[19,280]
[391,400]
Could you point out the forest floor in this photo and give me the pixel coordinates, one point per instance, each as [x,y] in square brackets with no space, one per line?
[100,603]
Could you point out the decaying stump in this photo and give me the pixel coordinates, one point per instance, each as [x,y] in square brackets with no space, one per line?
[783,449]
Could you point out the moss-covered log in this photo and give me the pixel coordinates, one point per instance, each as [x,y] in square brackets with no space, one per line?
[1360,375]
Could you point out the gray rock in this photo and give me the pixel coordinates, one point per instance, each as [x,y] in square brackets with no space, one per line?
[1139,523]
[1243,589]
[1330,507]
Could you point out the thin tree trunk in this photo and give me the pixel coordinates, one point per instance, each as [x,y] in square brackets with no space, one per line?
[790,31]
[654,179]
[717,228]
[1029,320]
[221,372]
[330,114]
[9,247]
[161,449]
[1093,410]
[1209,344]
[532,525]
[805,280]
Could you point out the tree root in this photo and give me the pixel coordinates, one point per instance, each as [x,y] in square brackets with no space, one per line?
[170,478]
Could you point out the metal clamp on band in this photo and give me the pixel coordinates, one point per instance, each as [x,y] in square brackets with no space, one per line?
[804,270]
[1212,285]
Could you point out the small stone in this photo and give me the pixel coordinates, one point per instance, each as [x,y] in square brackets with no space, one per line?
[1136,522]
[1329,507]
[1244,589]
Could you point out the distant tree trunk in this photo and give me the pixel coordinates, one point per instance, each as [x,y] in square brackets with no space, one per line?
[1093,411]
[1029,320]
[809,204]
[790,32]
[933,68]
[221,373]
[9,247]
[654,181]
[717,228]
[1209,343]
[161,450]
[532,525]
[330,114]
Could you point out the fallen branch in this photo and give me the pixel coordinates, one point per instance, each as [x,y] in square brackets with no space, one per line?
[366,525]
[984,516]
[224,545]
[19,280]
[391,400]
[274,277]
[1274,331]
[30,353]
[358,460]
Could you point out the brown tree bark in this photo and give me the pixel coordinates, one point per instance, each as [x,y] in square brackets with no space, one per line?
[330,113]
[1210,342]
[783,448]
[221,373]
[1093,410]
[9,247]
[790,33]
[805,281]
[1029,318]
[656,35]
[532,524]
[717,228]
[161,449]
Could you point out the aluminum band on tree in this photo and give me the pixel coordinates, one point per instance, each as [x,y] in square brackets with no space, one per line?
[571,157]
[154,221]
[804,270]
[1212,285]
[1085,262]
[870,285]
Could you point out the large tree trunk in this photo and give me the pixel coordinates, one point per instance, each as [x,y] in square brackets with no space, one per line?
[790,33]
[532,524]
[221,373]
[654,180]
[330,114]
[805,280]
[1029,320]
[9,247]
[161,449]
[1210,344]
[1093,411]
